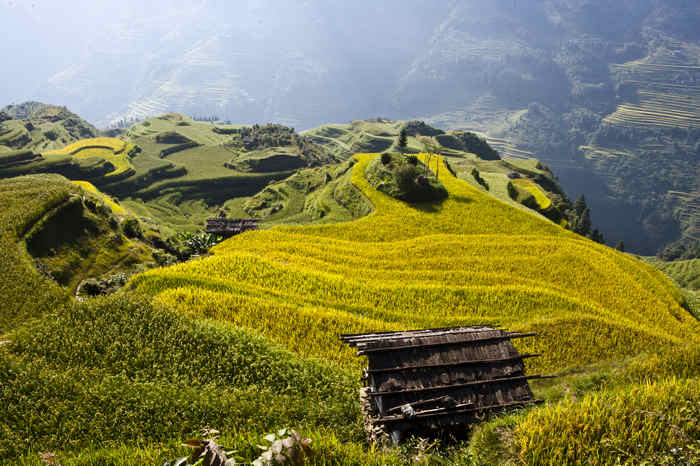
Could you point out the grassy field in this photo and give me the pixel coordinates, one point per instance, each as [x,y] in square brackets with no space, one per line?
[213,344]
[450,273]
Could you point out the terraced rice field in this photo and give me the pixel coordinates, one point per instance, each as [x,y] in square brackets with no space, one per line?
[689,212]
[542,200]
[668,85]
[507,149]
[111,149]
[604,152]
[471,259]
[660,109]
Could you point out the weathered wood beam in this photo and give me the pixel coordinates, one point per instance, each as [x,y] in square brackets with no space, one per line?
[459,409]
[519,378]
[355,337]
[475,362]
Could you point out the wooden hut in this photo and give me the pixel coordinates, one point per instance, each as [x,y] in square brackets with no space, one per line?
[228,227]
[427,382]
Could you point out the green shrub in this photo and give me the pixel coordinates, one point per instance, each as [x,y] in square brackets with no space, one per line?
[512,191]
[406,178]
[480,180]
[51,135]
[163,258]
[91,288]
[200,242]
[132,228]
[386,158]
[412,160]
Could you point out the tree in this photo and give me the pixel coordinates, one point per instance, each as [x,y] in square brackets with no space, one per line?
[580,205]
[403,140]
[620,246]
[585,222]
[430,148]
[597,236]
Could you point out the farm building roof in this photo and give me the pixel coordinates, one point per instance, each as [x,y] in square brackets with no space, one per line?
[426,381]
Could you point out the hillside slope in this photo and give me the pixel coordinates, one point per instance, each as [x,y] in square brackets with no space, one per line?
[469,259]
[174,172]
[54,235]
[201,354]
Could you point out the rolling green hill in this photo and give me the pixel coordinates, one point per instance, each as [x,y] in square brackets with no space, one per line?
[173,172]
[56,234]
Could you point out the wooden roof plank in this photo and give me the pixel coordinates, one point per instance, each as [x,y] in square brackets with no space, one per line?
[505,336]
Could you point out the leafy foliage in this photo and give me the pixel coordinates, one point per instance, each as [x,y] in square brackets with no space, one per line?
[681,250]
[200,242]
[286,447]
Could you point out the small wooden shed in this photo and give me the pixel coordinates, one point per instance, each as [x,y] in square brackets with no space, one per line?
[427,382]
[228,227]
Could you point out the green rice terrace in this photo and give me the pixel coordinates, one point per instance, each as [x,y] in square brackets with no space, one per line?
[245,339]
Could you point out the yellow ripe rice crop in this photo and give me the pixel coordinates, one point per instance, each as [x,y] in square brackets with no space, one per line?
[542,200]
[87,186]
[603,424]
[112,150]
[467,260]
[113,144]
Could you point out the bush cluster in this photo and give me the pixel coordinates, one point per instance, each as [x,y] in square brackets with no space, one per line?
[480,180]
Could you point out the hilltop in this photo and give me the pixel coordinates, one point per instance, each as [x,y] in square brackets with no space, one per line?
[314,195]
[37,127]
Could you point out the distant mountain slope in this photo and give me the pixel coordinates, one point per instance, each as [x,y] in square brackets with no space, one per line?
[611,105]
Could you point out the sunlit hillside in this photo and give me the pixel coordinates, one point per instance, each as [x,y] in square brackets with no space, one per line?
[471,259]
[246,341]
